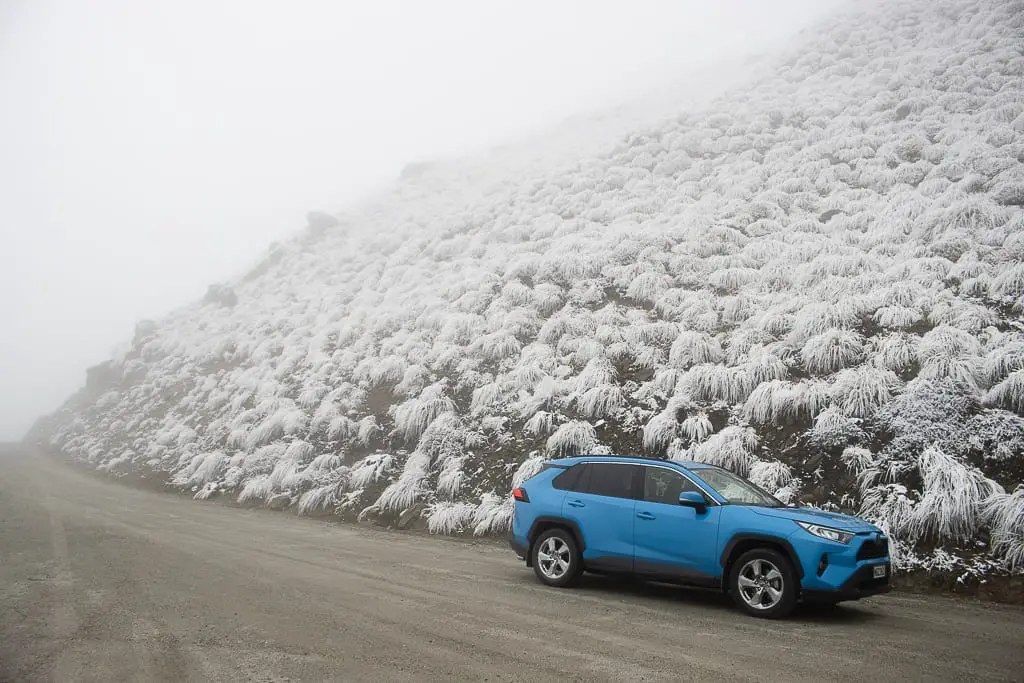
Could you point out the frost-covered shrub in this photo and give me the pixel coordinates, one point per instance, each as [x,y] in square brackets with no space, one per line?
[600,401]
[897,352]
[697,427]
[659,431]
[413,416]
[694,348]
[732,448]
[1009,393]
[572,438]
[890,508]
[1004,513]
[857,459]
[951,503]
[445,517]
[927,412]
[778,401]
[539,425]
[770,475]
[830,351]
[833,429]
[717,383]
[859,392]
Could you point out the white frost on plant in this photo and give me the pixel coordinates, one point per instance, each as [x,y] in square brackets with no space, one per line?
[1004,513]
[732,448]
[572,438]
[950,505]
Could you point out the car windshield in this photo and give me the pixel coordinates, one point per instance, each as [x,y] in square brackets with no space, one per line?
[737,490]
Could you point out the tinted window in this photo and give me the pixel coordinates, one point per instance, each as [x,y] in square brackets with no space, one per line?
[664,486]
[567,481]
[607,479]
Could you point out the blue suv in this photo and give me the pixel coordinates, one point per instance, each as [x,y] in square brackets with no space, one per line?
[696,524]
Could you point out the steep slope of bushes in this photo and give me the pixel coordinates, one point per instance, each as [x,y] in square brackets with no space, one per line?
[816,280]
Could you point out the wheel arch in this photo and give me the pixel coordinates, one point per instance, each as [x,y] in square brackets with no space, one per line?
[547,522]
[741,543]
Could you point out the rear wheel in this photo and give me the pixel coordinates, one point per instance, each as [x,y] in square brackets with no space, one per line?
[556,559]
[763,583]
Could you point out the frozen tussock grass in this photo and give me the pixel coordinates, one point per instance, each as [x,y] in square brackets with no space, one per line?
[325,495]
[697,427]
[889,507]
[659,431]
[1004,513]
[771,475]
[445,517]
[732,448]
[204,468]
[951,504]
[781,402]
[572,438]
[832,429]
[494,513]
[371,469]
[413,416]
[830,351]
[1009,393]
[694,348]
[861,391]
[857,459]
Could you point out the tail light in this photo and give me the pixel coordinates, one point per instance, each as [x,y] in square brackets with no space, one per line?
[519,493]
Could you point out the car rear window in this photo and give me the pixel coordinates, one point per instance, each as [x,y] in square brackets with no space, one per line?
[568,480]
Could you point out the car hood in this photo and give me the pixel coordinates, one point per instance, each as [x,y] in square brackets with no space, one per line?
[811,516]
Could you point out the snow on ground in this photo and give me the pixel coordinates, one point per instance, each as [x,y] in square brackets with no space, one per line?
[816,279]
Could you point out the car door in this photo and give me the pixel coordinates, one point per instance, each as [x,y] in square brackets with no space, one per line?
[602,506]
[670,539]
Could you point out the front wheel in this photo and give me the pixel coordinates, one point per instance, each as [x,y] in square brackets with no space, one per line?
[763,584]
[556,560]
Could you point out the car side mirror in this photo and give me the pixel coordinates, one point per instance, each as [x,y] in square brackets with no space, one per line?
[692,499]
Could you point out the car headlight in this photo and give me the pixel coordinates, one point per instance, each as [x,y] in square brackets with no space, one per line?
[828,533]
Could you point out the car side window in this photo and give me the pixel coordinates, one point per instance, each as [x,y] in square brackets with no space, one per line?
[609,479]
[664,486]
[569,480]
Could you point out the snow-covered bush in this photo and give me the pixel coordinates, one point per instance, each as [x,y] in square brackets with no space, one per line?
[732,448]
[950,507]
[572,438]
[1004,512]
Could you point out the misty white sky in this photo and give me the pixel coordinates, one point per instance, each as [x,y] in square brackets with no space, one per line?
[149,149]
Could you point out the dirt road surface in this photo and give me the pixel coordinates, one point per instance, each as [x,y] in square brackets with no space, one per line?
[103,582]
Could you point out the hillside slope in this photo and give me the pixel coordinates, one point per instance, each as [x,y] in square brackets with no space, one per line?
[816,280]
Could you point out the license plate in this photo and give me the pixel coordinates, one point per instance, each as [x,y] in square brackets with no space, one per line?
[878,572]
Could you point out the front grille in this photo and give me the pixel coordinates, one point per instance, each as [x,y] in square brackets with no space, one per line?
[873,548]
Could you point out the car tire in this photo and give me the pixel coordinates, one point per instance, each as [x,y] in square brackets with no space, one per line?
[764,584]
[556,559]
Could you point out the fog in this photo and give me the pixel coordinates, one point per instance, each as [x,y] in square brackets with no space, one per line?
[150,149]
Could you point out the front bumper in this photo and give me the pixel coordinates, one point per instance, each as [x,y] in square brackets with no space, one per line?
[861,584]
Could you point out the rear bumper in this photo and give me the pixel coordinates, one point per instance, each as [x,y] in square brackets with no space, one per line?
[519,548]
[859,585]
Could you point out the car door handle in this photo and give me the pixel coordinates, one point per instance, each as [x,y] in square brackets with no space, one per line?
[577,504]
[645,515]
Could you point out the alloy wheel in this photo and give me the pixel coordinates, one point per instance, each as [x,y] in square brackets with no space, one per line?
[760,584]
[554,558]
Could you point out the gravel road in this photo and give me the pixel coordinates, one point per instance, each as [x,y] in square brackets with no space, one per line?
[103,582]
